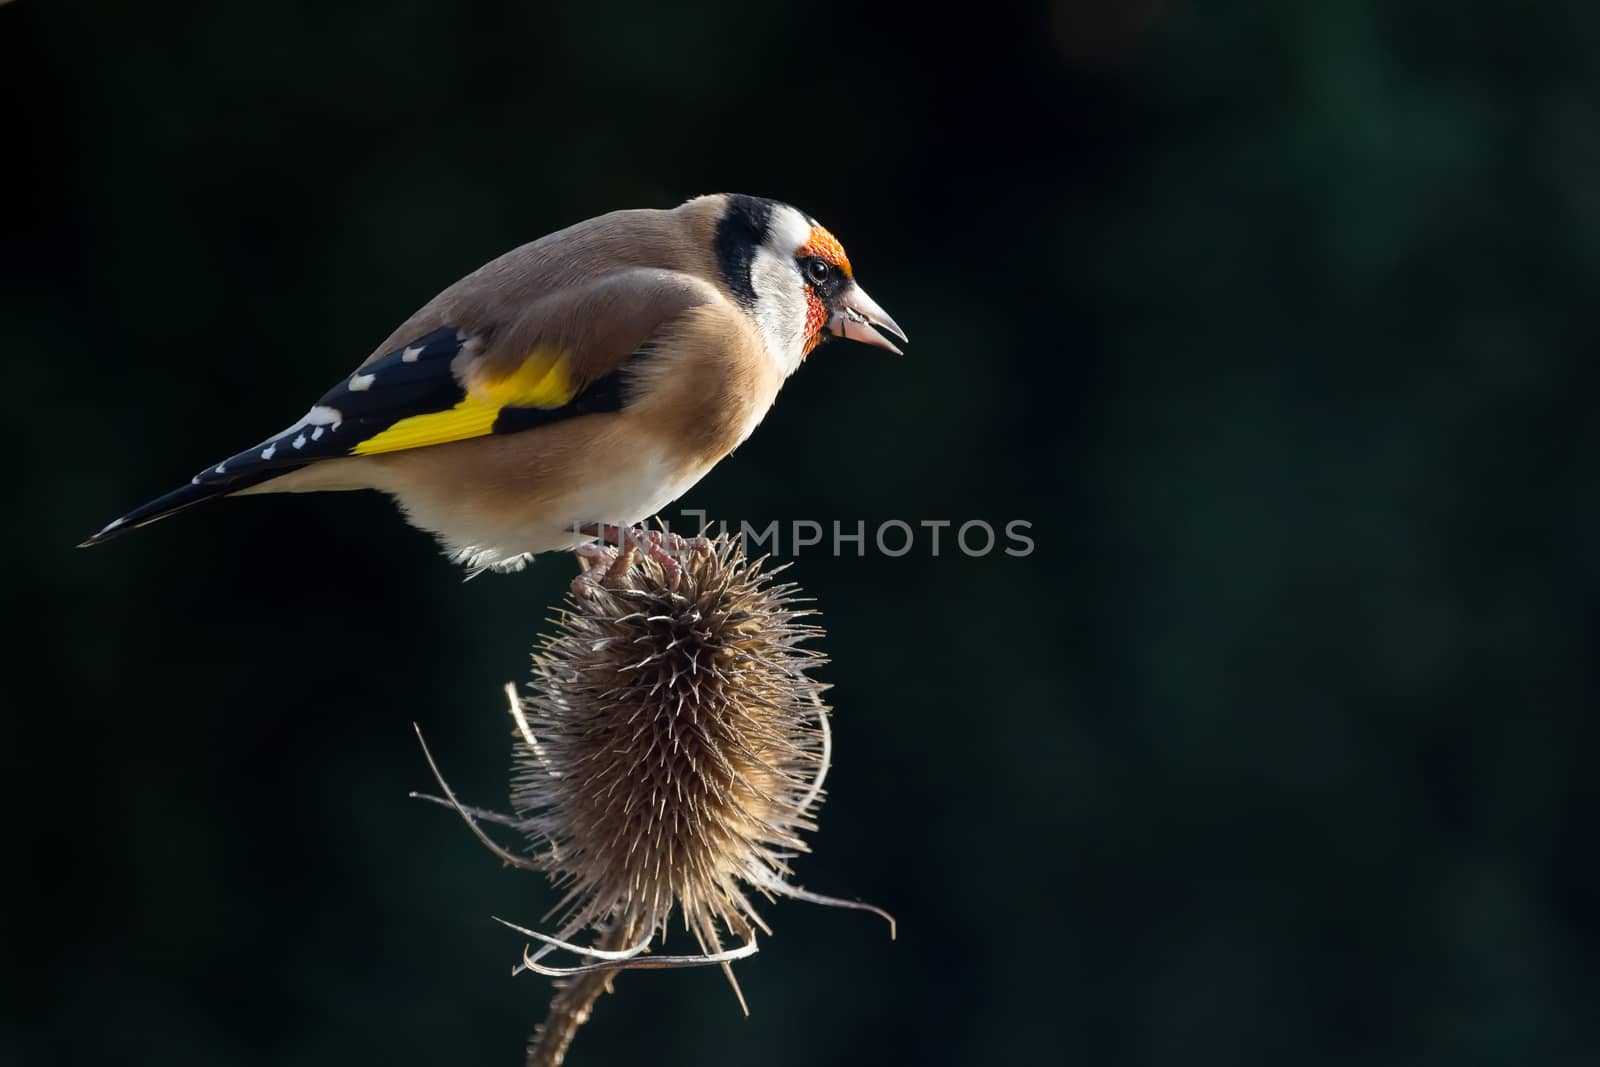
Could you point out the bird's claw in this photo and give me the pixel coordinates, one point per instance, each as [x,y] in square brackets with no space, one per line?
[606,563]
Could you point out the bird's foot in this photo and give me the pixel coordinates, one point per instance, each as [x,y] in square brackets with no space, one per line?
[598,565]
[662,546]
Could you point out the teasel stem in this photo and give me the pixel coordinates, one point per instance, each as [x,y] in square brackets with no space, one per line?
[574,1002]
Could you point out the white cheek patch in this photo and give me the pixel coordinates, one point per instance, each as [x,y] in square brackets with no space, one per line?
[780,310]
[789,231]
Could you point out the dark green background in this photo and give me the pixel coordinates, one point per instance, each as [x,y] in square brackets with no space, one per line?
[1277,321]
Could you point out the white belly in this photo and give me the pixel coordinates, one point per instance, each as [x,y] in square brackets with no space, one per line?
[505,538]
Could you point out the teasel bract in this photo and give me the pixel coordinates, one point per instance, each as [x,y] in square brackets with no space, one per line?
[668,756]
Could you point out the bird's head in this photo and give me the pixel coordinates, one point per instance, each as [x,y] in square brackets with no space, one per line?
[794,279]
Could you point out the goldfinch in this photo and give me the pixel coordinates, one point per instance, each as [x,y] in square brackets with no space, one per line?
[587,378]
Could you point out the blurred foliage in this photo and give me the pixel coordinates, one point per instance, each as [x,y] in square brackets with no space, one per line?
[1277,321]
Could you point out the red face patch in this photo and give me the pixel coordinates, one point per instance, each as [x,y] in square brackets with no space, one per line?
[826,246]
[816,319]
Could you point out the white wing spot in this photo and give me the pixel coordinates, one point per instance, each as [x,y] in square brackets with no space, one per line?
[222,468]
[362,382]
[270,451]
[299,442]
[320,415]
[195,480]
[317,432]
[410,354]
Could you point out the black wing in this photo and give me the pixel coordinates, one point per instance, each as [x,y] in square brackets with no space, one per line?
[410,382]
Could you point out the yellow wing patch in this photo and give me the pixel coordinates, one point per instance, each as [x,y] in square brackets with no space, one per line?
[543,380]
[470,418]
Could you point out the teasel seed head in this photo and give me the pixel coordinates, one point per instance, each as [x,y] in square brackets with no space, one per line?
[669,755]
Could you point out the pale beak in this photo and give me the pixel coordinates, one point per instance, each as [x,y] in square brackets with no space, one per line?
[857,314]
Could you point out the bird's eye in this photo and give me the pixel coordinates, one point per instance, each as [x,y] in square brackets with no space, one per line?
[818,270]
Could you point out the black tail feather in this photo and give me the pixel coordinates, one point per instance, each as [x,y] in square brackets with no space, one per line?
[180,499]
